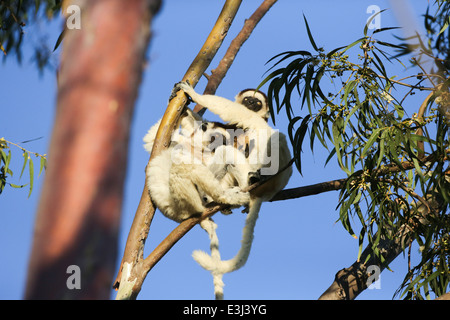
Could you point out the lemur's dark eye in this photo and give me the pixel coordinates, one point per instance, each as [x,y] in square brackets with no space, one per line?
[204,127]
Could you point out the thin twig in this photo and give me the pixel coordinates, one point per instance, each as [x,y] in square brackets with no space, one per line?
[406,84]
[44,156]
[424,72]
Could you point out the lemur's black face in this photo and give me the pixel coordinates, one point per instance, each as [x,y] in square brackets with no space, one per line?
[252,103]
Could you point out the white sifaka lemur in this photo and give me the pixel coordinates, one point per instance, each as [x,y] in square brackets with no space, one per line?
[179,180]
[193,172]
[266,154]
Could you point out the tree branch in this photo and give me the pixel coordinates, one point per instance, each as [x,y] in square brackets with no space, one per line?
[310,190]
[334,185]
[133,255]
[350,282]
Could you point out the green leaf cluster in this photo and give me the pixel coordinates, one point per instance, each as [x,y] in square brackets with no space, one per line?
[15,15]
[5,169]
[397,165]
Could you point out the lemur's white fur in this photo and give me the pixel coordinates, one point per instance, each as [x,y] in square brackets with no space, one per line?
[249,111]
[181,190]
[179,180]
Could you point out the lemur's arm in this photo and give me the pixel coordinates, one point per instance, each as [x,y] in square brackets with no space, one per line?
[227,110]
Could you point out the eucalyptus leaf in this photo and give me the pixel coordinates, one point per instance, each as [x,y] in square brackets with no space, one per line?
[371,141]
[311,39]
[43,164]
[31,169]
[26,156]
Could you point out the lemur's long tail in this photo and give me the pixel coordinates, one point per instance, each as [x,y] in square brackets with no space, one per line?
[210,227]
[213,262]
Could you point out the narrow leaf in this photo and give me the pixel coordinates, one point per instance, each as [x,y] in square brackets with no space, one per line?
[370,142]
[17,186]
[445,26]
[59,40]
[31,167]
[381,155]
[385,29]
[353,44]
[311,39]
[25,158]
[42,165]
[329,54]
[349,87]
[370,20]
[6,159]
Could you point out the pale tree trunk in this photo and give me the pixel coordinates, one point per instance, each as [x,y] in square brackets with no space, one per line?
[79,211]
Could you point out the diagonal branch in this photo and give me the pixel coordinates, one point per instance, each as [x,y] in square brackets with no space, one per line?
[339,184]
[133,254]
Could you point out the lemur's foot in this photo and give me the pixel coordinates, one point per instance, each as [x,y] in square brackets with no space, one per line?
[186,87]
[235,197]
[173,94]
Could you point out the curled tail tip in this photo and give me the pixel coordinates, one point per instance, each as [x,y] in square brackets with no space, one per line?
[200,254]
[203,259]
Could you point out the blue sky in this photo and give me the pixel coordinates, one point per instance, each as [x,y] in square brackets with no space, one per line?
[298,247]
